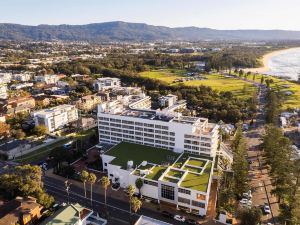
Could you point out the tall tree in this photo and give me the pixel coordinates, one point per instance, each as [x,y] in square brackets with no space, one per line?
[84,178]
[250,216]
[131,191]
[92,179]
[139,184]
[136,204]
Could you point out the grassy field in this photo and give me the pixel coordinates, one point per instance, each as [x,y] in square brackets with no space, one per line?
[240,88]
[292,101]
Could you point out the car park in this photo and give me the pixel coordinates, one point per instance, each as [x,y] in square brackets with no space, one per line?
[179,218]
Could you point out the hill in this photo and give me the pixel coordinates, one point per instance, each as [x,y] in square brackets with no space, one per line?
[122,31]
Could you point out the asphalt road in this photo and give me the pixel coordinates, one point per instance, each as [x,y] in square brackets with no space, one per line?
[118,210]
[258,175]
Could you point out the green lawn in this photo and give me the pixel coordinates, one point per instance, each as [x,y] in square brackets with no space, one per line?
[240,88]
[192,169]
[196,181]
[169,179]
[125,152]
[175,173]
[196,162]
[156,172]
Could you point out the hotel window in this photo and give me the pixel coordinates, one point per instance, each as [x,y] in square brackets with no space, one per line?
[184,200]
[164,127]
[158,131]
[139,128]
[172,133]
[165,132]
[138,124]
[184,191]
[150,183]
[148,130]
[158,126]
[167,192]
[187,141]
[198,204]
[172,139]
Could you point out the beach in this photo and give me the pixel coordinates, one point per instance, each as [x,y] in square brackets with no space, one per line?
[265,60]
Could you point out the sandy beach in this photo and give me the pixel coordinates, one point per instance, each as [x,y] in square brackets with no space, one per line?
[265,60]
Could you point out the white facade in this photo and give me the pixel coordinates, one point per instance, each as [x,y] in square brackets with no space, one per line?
[5,78]
[57,117]
[3,91]
[21,86]
[48,78]
[22,77]
[102,84]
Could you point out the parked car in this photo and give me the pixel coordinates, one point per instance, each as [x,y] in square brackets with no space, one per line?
[192,222]
[167,214]
[244,201]
[179,218]
[267,209]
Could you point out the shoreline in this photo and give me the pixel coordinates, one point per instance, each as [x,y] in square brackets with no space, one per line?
[265,60]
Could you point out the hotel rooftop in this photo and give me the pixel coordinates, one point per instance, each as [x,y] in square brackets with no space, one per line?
[185,170]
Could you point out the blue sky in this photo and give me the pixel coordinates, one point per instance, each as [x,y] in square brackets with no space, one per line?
[220,14]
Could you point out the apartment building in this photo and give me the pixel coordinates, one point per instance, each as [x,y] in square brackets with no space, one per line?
[183,180]
[130,119]
[102,84]
[57,117]
[88,103]
[168,100]
[48,78]
[3,91]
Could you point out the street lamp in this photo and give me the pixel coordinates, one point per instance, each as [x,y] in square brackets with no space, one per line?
[67,186]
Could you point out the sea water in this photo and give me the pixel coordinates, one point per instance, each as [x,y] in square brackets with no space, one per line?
[285,64]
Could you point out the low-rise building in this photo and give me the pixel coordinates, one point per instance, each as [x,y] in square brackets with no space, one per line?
[102,84]
[87,123]
[5,77]
[168,100]
[3,91]
[57,117]
[22,77]
[20,104]
[47,78]
[88,103]
[14,148]
[74,214]
[180,179]
[20,211]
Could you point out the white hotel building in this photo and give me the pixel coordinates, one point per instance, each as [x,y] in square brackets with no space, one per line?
[130,119]
[57,117]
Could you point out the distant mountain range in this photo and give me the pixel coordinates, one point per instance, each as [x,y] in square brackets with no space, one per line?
[122,31]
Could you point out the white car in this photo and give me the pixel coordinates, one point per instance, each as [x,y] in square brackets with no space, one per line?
[267,209]
[179,218]
[244,201]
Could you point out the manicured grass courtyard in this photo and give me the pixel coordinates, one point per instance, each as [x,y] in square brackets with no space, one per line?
[196,162]
[196,181]
[175,173]
[156,172]
[192,169]
[125,152]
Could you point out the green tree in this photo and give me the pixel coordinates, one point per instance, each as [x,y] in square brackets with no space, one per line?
[92,179]
[4,129]
[250,216]
[84,175]
[136,204]
[139,184]
[130,191]
[40,130]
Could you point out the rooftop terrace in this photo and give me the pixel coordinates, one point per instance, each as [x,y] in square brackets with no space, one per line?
[125,152]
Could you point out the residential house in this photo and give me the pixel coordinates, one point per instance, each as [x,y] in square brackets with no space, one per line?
[20,104]
[20,211]
[3,91]
[102,84]
[5,77]
[48,78]
[88,103]
[74,214]
[22,77]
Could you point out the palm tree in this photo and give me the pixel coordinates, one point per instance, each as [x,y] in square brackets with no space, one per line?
[136,204]
[92,179]
[131,191]
[84,177]
[105,182]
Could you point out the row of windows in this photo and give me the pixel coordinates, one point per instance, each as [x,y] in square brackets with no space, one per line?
[184,200]
[167,192]
[184,191]
[197,137]
[198,204]
[150,183]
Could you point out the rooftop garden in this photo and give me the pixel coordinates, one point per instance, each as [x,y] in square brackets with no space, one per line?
[175,173]
[196,162]
[125,152]
[196,181]
[169,179]
[156,172]
[192,169]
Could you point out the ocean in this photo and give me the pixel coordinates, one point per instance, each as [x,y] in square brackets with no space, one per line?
[285,64]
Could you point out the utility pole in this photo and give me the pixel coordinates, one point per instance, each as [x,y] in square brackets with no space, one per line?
[67,186]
